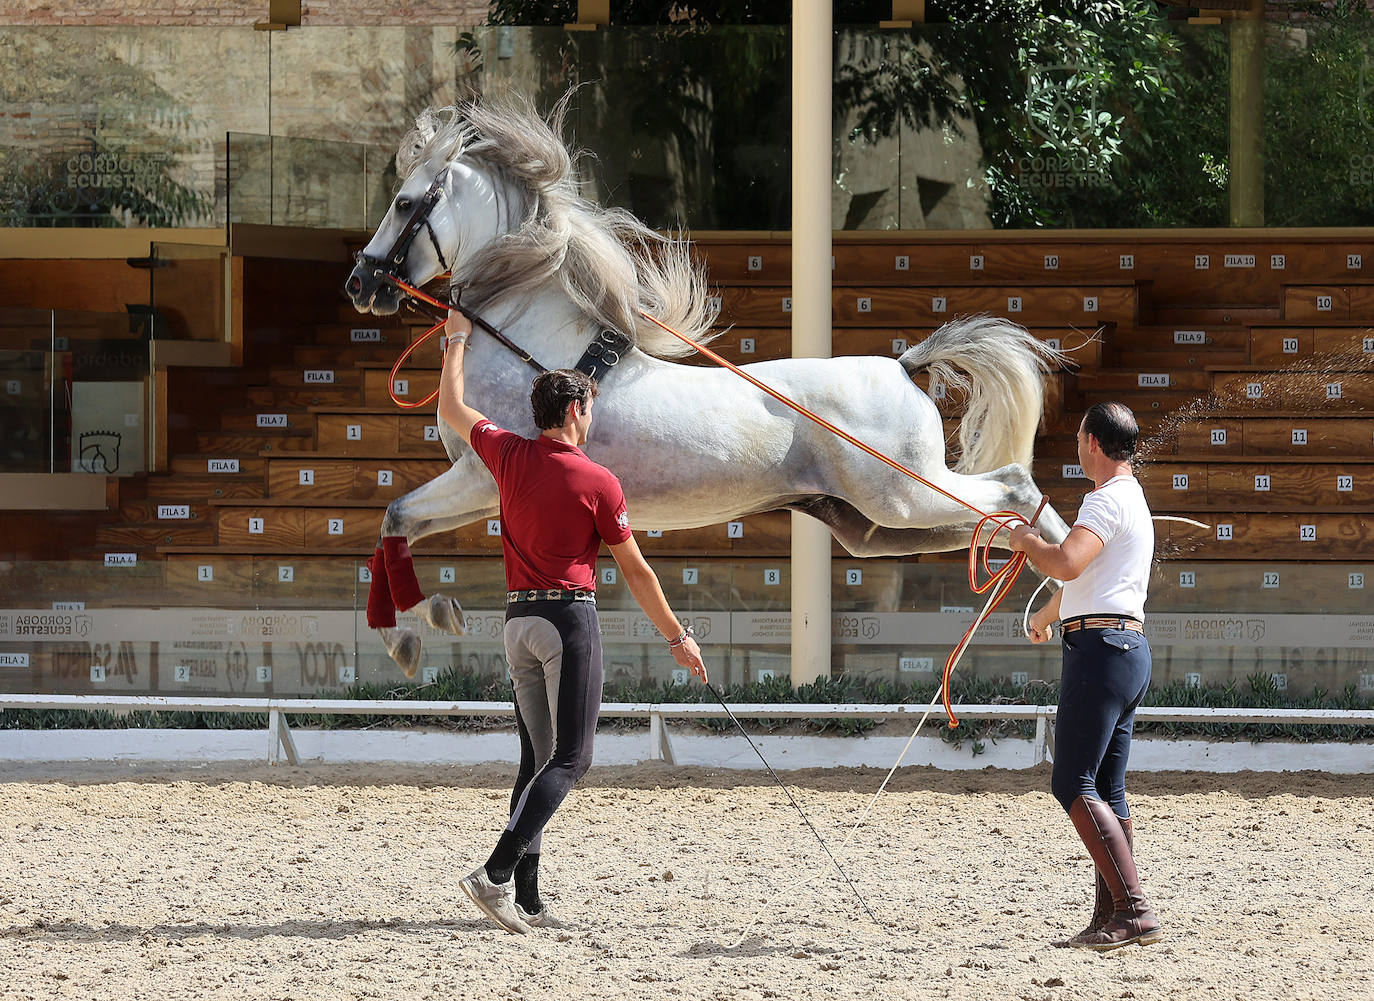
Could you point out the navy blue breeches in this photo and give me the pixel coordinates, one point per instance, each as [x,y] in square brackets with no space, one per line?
[1106,672]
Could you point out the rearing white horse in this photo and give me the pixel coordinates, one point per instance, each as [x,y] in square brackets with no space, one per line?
[692,446]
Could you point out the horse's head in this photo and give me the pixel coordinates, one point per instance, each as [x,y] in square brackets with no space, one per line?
[441,213]
[490,193]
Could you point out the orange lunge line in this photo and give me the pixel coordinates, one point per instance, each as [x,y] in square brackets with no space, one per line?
[391,382]
[999,582]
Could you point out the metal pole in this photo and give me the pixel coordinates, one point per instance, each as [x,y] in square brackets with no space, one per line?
[812,71]
[52,392]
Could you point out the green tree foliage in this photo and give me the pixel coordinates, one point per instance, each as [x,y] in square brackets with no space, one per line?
[1319,122]
[1089,113]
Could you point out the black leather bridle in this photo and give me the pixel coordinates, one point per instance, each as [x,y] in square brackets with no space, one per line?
[385,267]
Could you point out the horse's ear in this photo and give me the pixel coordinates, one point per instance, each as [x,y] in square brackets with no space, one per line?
[424,128]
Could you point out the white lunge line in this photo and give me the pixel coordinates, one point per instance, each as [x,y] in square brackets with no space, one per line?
[872,802]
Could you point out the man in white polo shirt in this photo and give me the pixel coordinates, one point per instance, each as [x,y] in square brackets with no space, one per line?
[1105,565]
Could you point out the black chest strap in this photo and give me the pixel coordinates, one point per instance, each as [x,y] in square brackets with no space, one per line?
[603,353]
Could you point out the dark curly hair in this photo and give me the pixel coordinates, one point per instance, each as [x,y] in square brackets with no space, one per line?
[553,391]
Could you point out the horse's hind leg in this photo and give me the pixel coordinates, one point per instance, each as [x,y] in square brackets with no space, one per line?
[862,537]
[457,497]
[945,524]
[896,501]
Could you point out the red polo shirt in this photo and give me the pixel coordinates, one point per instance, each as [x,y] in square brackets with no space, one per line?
[557,506]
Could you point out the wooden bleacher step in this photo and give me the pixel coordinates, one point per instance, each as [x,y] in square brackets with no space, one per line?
[1347,302]
[1310,436]
[863,306]
[215,444]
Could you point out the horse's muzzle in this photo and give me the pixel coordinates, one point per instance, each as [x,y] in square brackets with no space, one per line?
[370,292]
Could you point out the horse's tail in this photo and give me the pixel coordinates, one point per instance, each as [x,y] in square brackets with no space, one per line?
[1002,368]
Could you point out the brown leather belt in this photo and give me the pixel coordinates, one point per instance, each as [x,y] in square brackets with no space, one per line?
[1103,622]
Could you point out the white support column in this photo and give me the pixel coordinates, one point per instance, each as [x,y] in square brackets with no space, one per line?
[812,73]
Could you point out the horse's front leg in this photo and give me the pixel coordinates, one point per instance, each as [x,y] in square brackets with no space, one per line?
[463,494]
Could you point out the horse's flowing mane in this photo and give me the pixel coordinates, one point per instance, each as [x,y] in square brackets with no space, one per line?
[609,263]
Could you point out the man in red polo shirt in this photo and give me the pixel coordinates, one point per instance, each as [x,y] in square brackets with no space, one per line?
[557,507]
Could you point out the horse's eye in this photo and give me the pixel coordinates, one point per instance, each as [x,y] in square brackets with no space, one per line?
[403,204]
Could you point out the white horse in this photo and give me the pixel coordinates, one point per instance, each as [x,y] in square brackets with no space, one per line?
[693,446]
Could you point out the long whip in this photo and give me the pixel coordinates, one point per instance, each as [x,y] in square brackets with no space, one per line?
[807,820]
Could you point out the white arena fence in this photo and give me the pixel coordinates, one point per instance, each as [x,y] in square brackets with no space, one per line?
[281,744]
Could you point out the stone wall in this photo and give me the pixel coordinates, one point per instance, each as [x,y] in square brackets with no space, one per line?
[130,13]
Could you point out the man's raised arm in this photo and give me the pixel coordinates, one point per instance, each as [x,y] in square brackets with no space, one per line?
[452,410]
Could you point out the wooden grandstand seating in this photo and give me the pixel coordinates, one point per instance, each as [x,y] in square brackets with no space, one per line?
[269,398]
[1295,485]
[320,477]
[257,441]
[145,537]
[1304,347]
[1261,389]
[276,419]
[743,345]
[1211,314]
[329,525]
[1211,269]
[1275,537]
[1160,391]
[1307,435]
[878,306]
[1242,587]
[294,377]
[1254,485]
[412,385]
[353,432]
[1324,303]
[176,487]
[1152,348]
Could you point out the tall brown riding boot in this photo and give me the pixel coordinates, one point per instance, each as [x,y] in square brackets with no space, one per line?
[1102,902]
[1132,920]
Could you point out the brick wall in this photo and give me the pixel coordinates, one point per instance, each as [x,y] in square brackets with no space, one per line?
[201,13]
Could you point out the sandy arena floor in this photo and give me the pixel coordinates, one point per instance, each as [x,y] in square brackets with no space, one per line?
[341,882]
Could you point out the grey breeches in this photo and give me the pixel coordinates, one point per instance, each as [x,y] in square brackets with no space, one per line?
[554,652]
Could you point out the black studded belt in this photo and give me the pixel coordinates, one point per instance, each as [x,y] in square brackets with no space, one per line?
[552,594]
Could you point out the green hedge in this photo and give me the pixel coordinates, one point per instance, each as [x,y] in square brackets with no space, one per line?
[1258,692]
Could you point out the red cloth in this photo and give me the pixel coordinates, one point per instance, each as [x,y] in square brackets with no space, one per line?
[381,610]
[557,507]
[400,572]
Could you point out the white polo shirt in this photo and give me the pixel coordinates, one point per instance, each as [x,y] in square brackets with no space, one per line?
[1116,580]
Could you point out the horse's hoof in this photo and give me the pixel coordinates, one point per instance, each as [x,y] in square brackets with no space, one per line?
[444,613]
[405,647]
